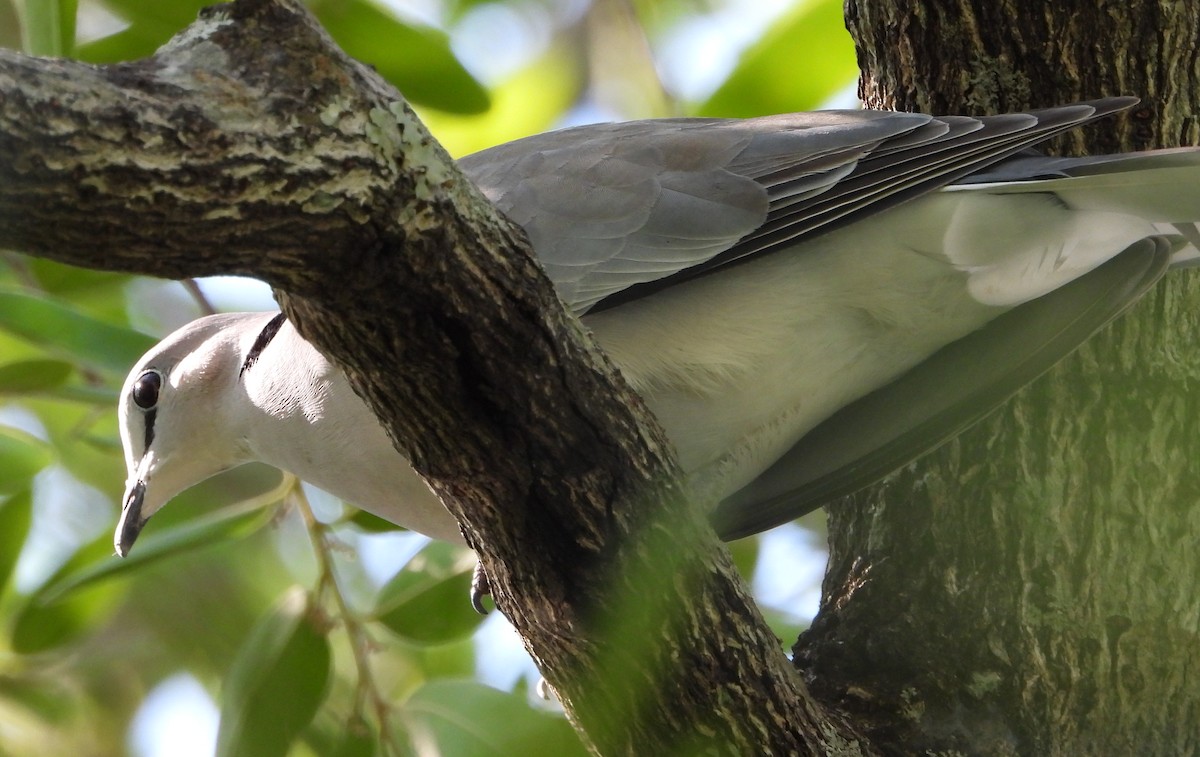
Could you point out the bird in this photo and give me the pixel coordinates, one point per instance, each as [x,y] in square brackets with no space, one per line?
[806,302]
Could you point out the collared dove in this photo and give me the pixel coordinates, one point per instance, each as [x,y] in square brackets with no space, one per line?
[806,302]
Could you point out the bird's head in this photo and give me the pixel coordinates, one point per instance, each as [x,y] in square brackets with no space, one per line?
[178,415]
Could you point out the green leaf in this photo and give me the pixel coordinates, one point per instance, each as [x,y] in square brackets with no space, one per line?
[150,25]
[79,593]
[463,717]
[90,395]
[39,626]
[745,555]
[276,683]
[29,376]
[83,287]
[21,457]
[132,43]
[10,27]
[170,17]
[428,601]
[223,525]
[418,60]
[49,27]
[804,59]
[333,734]
[70,333]
[15,515]
[373,524]
[530,101]
[358,740]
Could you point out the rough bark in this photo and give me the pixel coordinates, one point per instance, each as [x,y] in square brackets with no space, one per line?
[1030,588]
[969,56]
[251,145]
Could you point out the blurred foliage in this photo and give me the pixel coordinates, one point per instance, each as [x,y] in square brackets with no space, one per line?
[423,604]
[287,651]
[806,56]
[349,665]
[500,724]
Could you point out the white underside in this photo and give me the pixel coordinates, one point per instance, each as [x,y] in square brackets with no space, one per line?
[306,397]
[738,365]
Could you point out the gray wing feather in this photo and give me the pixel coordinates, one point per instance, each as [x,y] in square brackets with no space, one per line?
[1034,166]
[614,205]
[618,211]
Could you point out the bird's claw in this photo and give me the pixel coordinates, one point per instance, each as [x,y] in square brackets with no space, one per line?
[480,588]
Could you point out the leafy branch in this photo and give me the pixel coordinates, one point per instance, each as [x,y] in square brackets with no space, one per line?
[368,700]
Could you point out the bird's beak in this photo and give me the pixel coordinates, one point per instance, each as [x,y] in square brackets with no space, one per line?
[131,521]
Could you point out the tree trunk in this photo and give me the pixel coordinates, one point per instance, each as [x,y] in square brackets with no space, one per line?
[1030,587]
[251,145]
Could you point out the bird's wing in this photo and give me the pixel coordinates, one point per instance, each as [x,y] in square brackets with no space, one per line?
[1161,186]
[1032,166]
[610,206]
[619,211]
[939,398]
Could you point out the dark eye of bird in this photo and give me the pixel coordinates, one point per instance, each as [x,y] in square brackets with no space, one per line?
[145,389]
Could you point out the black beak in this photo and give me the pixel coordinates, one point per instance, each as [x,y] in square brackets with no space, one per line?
[131,519]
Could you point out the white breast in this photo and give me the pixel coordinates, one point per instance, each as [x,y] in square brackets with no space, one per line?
[313,425]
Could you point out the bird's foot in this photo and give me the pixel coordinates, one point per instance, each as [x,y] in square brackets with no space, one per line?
[480,588]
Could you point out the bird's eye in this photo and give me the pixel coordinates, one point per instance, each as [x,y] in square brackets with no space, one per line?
[146,388]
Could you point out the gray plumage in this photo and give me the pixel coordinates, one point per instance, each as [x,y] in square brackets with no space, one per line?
[763,283]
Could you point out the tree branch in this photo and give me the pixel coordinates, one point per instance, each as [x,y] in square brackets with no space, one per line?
[251,145]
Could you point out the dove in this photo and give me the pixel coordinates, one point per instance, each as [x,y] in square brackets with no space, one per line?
[806,302]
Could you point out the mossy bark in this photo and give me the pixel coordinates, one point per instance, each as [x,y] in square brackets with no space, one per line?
[1030,588]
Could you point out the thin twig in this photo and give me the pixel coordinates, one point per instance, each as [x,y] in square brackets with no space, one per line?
[646,48]
[193,287]
[361,644]
[20,267]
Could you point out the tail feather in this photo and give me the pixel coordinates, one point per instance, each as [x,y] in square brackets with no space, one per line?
[1187,253]
[1159,194]
[1161,186]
